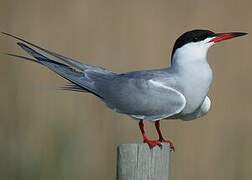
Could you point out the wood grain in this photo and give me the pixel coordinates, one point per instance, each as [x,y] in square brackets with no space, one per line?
[139,162]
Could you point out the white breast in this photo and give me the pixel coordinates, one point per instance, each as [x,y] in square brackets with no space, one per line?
[194,75]
[195,84]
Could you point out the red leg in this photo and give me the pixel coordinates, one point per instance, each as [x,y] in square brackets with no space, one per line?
[151,143]
[161,139]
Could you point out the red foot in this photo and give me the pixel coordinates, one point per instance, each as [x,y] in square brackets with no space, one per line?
[168,142]
[152,143]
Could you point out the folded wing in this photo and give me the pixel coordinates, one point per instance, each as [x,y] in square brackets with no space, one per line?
[140,98]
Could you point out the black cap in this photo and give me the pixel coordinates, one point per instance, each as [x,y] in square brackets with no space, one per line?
[192,36]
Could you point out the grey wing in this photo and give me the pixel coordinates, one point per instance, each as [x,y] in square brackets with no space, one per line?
[142,99]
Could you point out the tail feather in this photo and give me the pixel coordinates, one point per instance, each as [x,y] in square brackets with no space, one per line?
[73,87]
[69,86]
[63,70]
[40,58]
[21,57]
[78,79]
[77,73]
[60,58]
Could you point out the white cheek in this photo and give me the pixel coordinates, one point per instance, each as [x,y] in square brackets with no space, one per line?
[194,50]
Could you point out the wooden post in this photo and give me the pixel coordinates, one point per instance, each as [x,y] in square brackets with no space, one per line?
[139,162]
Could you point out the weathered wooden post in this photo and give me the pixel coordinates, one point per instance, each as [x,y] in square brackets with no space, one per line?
[139,162]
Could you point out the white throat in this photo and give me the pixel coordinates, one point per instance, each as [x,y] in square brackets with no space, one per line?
[193,72]
[192,52]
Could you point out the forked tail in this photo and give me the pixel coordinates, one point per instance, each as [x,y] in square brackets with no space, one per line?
[68,68]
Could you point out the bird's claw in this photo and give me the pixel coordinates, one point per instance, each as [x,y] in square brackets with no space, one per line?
[152,143]
[172,147]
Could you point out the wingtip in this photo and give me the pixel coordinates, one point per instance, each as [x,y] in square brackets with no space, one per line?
[23,46]
[13,36]
[6,54]
[7,34]
[18,56]
[20,44]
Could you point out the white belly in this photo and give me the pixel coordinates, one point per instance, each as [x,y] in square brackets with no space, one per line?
[201,111]
[195,84]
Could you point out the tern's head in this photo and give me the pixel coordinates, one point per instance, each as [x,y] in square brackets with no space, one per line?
[195,44]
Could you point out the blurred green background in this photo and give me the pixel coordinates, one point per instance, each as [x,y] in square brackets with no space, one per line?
[50,134]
